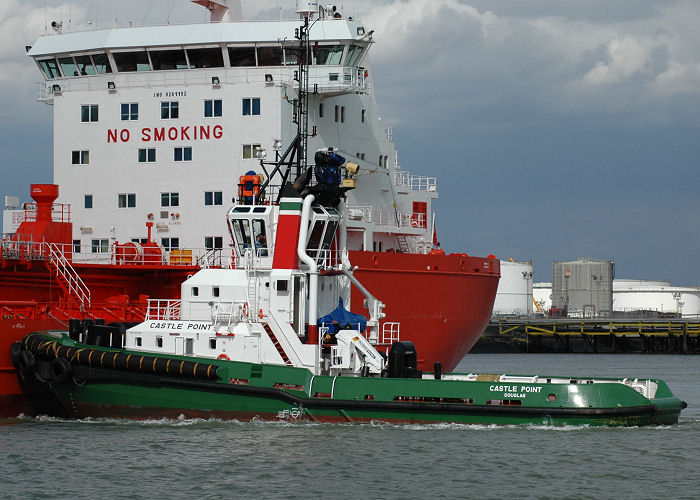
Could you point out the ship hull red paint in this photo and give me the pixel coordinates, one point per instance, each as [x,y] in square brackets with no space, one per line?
[443,302]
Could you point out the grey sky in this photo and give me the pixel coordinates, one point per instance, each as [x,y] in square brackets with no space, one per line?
[557,129]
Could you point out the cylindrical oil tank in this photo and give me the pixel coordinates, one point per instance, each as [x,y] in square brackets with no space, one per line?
[642,297]
[542,294]
[514,295]
[583,288]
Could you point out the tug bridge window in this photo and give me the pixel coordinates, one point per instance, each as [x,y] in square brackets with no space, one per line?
[249,232]
[324,223]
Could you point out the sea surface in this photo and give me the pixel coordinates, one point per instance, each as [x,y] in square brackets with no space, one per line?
[101,458]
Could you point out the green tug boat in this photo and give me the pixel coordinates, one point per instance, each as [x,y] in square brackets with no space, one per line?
[247,342]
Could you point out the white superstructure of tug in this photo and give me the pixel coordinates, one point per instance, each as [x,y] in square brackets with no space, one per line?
[157,124]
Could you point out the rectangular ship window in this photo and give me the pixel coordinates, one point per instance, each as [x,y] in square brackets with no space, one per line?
[130,111]
[251,106]
[182,153]
[169,110]
[213,108]
[250,151]
[126,200]
[213,198]
[80,157]
[88,113]
[147,155]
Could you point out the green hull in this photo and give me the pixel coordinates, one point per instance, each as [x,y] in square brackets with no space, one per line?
[151,386]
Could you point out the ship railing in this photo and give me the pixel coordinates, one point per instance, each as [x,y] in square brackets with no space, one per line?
[103,251]
[164,309]
[222,312]
[361,213]
[415,182]
[76,286]
[22,247]
[334,79]
[391,332]
[60,212]
[393,218]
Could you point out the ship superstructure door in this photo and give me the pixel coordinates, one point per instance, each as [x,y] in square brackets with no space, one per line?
[322,229]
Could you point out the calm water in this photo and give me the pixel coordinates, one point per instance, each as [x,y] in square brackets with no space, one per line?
[47,458]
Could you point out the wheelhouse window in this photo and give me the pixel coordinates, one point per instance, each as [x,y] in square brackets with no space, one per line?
[147,155]
[85,66]
[241,234]
[101,63]
[169,199]
[269,56]
[132,61]
[354,54]
[241,56]
[80,157]
[291,56]
[169,110]
[205,58]
[182,153]
[213,108]
[68,66]
[168,59]
[251,106]
[50,68]
[250,151]
[213,198]
[126,200]
[130,111]
[89,113]
[328,54]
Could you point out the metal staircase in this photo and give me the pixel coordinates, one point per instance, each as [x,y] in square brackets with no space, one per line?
[403,243]
[68,276]
[277,345]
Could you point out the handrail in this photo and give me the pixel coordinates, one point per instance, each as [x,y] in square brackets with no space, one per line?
[63,267]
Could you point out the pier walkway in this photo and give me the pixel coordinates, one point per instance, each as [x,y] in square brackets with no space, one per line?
[662,335]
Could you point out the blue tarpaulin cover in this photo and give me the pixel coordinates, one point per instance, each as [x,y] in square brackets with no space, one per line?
[339,317]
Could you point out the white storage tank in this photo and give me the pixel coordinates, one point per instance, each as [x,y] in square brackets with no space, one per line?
[542,294]
[630,296]
[514,295]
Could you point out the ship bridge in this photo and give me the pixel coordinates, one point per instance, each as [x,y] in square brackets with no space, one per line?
[215,54]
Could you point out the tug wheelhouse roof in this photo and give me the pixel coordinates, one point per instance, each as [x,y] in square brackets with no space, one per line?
[193,34]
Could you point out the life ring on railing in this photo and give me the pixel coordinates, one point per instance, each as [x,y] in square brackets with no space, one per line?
[223,356]
[245,310]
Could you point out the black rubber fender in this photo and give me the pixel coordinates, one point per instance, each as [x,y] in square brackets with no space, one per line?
[60,370]
[27,363]
[15,353]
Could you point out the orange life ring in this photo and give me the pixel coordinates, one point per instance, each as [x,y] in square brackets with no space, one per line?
[245,310]
[224,356]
